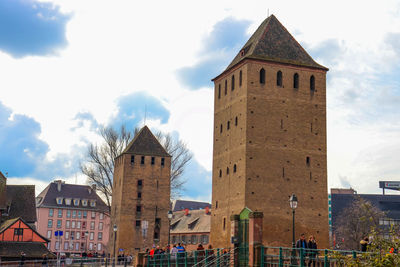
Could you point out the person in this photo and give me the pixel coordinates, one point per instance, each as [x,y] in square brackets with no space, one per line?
[44,260]
[200,251]
[312,250]
[151,252]
[364,244]
[302,243]
[22,260]
[174,252]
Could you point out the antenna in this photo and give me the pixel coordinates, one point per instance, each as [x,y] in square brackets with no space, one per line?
[268,12]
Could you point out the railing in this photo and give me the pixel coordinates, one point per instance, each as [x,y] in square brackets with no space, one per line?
[72,262]
[281,256]
[197,258]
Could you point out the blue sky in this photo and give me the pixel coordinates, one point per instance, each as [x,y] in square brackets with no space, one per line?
[68,68]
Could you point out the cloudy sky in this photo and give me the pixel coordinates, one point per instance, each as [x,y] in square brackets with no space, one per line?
[67,67]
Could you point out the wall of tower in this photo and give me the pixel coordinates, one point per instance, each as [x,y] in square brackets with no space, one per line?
[154,202]
[286,152]
[228,194]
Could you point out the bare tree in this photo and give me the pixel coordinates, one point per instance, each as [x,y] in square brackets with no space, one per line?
[99,165]
[355,222]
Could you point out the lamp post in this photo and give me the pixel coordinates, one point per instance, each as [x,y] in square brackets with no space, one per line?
[170,215]
[293,206]
[115,228]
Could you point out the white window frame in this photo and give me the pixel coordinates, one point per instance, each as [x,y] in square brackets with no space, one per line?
[49,232]
[100,226]
[91,236]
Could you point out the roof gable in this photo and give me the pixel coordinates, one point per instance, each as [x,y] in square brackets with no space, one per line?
[272,42]
[145,143]
[35,236]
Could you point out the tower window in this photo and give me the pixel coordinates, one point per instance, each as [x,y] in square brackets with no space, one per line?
[132,160]
[279,78]
[312,83]
[233,83]
[216,204]
[236,121]
[283,171]
[139,195]
[138,208]
[308,161]
[240,78]
[228,125]
[137,224]
[220,129]
[219,91]
[152,160]
[224,224]
[140,183]
[234,168]
[262,76]
[296,81]
[220,173]
[142,160]
[227,170]
[226,87]
[162,162]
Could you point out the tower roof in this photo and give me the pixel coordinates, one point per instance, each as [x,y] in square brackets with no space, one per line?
[145,143]
[272,42]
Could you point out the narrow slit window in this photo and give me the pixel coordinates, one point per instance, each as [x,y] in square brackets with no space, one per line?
[220,173]
[236,121]
[220,128]
[153,160]
[162,162]
[233,83]
[279,78]
[283,171]
[228,125]
[308,161]
[281,124]
[219,91]
[312,83]
[132,160]
[240,78]
[296,81]
[224,226]
[226,87]
[262,76]
[234,168]
[142,160]
[227,170]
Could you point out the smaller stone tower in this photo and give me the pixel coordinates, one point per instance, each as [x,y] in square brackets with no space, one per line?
[141,195]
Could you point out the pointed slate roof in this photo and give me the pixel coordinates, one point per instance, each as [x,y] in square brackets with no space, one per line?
[145,143]
[272,42]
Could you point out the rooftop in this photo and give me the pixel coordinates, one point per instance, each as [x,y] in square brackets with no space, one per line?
[21,202]
[196,221]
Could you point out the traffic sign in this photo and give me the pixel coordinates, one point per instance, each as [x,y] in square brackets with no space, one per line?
[58,233]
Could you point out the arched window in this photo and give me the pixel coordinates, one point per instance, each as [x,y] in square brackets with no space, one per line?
[312,83]
[240,78]
[233,83]
[228,125]
[220,129]
[236,121]
[296,81]
[220,173]
[219,91]
[226,87]
[234,168]
[262,76]
[279,78]
[227,170]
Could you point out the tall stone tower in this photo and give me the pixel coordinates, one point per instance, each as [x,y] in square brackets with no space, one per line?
[270,139]
[141,195]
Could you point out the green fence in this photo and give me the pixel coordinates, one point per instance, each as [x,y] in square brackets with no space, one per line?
[281,256]
[213,257]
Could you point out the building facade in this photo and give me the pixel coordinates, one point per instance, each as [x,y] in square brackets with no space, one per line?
[78,212]
[141,195]
[191,228]
[270,139]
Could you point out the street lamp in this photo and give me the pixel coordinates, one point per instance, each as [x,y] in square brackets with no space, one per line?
[170,215]
[115,228]
[293,206]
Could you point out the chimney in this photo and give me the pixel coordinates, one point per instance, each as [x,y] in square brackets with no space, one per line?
[186,212]
[58,182]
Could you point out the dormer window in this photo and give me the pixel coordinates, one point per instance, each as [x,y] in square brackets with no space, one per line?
[76,202]
[93,203]
[84,202]
[68,201]
[59,200]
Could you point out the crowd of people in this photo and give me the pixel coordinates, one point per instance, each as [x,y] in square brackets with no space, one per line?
[176,250]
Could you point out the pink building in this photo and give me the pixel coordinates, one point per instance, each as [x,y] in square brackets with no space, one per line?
[76,210]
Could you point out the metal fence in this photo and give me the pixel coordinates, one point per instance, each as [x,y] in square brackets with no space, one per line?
[197,258]
[70,262]
[299,257]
